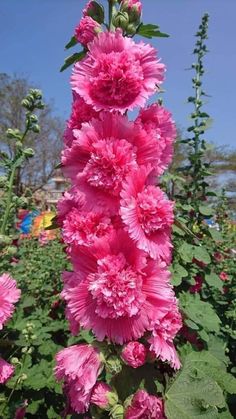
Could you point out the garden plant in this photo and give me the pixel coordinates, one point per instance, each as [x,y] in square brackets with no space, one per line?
[130,312]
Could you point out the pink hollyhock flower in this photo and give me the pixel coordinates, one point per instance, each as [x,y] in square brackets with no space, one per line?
[71,199]
[87,30]
[79,367]
[156,120]
[197,286]
[102,155]
[116,73]
[147,214]
[143,405]
[70,280]
[223,276]
[161,342]
[134,354]
[84,228]
[81,112]
[6,371]
[120,292]
[9,295]
[103,396]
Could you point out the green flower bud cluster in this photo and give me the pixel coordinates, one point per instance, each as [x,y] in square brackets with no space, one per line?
[127,18]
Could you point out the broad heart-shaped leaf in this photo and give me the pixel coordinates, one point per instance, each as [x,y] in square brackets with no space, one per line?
[186,252]
[150,31]
[206,210]
[200,253]
[200,312]
[72,59]
[73,41]
[216,235]
[214,281]
[178,272]
[193,394]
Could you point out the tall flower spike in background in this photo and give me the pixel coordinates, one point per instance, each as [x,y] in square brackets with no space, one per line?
[115,221]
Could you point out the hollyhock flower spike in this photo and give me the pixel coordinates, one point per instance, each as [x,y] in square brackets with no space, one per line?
[120,293]
[147,214]
[87,30]
[116,73]
[134,354]
[143,405]
[79,366]
[9,295]
[6,371]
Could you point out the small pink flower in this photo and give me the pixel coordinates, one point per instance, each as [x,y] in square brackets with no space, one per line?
[134,354]
[87,30]
[223,276]
[143,405]
[197,286]
[147,214]
[9,295]
[103,396]
[21,411]
[81,112]
[157,121]
[218,256]
[79,366]
[6,371]
[116,73]
[164,331]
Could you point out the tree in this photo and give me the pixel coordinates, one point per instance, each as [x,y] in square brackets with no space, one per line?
[36,172]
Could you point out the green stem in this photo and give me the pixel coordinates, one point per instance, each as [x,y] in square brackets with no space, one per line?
[8,204]
[112,10]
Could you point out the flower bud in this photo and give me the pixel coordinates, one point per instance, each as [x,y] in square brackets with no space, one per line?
[36,128]
[95,11]
[103,396]
[113,365]
[117,412]
[13,133]
[15,361]
[121,20]
[131,29]
[133,8]
[28,152]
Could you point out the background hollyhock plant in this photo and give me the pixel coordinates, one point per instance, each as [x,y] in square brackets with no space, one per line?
[143,405]
[9,295]
[6,371]
[79,367]
[117,74]
[134,354]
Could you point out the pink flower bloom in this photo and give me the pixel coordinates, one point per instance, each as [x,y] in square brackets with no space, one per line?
[9,294]
[84,228]
[223,276]
[71,199]
[143,405]
[163,334]
[147,214]
[156,120]
[197,286]
[134,354]
[102,155]
[87,30]
[81,112]
[116,73]
[103,396]
[120,292]
[6,371]
[79,367]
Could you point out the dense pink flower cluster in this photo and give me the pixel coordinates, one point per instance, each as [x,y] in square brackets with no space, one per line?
[115,221]
[9,295]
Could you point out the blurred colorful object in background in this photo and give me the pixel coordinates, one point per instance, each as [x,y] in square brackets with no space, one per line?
[35,223]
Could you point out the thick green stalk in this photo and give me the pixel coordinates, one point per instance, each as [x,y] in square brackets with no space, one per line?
[112,11]
[8,204]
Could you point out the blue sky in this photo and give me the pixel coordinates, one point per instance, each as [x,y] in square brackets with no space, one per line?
[33,34]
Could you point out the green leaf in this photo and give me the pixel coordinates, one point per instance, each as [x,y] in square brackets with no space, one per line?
[216,235]
[193,394]
[186,252]
[213,280]
[73,41]
[179,272]
[72,59]
[200,312]
[206,210]
[150,31]
[200,253]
